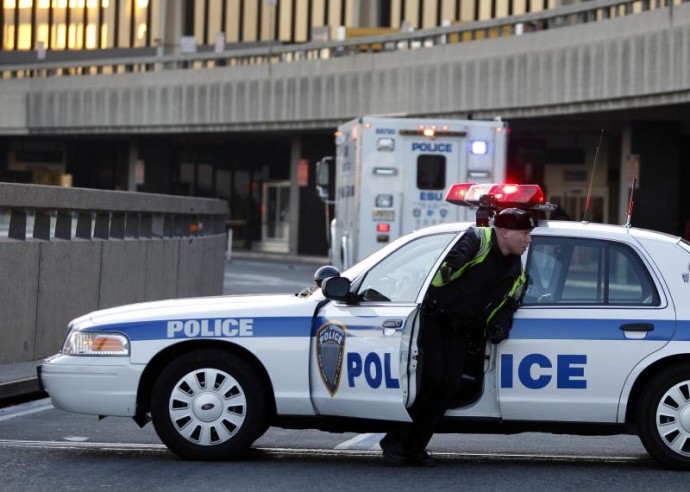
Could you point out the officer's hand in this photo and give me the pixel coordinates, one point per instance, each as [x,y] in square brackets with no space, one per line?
[497,333]
[446,270]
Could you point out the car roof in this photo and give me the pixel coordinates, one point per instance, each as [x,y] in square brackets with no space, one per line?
[580,229]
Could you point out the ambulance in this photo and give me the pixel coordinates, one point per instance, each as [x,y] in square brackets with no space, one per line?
[391,176]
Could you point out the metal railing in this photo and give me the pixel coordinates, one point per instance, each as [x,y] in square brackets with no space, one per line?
[570,15]
[45,212]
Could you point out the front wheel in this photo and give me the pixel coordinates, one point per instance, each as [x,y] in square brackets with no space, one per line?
[664,417]
[208,405]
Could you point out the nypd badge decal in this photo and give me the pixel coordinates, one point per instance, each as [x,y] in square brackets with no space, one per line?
[330,347]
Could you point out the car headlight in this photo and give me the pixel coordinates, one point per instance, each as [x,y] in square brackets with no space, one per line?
[93,343]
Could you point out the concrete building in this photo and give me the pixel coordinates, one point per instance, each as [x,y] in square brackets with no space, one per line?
[111,138]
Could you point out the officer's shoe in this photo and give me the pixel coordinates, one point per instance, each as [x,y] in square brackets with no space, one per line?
[393,451]
[420,457]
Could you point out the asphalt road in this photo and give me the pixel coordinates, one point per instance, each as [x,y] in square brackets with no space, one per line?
[245,276]
[42,448]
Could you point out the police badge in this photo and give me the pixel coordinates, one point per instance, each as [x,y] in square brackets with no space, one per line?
[330,346]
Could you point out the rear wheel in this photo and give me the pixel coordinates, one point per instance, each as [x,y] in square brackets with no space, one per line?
[209,405]
[664,417]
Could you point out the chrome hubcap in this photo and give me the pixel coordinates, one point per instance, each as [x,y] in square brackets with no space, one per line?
[673,418]
[207,407]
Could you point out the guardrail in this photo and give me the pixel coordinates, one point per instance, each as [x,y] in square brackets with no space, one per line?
[68,251]
[277,53]
[64,213]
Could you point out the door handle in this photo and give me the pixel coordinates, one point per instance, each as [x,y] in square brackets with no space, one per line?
[392,323]
[637,327]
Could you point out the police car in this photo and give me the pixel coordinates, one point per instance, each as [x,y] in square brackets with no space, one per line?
[600,345]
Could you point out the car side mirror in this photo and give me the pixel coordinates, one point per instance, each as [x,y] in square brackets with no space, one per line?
[336,289]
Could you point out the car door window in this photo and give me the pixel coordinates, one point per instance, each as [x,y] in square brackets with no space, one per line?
[399,277]
[584,271]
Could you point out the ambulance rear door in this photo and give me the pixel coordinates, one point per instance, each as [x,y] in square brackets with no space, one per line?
[432,164]
[345,235]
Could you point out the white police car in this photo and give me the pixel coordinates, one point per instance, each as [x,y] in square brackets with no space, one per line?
[601,345]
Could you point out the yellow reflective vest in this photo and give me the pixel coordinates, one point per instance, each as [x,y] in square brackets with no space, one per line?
[445,275]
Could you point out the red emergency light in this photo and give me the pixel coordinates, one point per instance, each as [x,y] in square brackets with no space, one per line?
[383,227]
[528,196]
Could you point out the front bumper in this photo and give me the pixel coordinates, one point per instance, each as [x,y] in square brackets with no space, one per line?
[92,385]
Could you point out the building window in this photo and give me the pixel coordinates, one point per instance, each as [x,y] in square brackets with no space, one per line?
[77,24]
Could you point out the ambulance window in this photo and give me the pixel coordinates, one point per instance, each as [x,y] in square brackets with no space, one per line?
[399,276]
[431,172]
[580,271]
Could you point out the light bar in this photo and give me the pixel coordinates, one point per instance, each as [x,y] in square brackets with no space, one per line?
[506,195]
[457,193]
[422,131]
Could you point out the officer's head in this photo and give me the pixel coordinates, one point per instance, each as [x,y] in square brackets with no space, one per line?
[513,227]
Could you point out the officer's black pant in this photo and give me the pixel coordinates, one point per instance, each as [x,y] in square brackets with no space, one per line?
[443,359]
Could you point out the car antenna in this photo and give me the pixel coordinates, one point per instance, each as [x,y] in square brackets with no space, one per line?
[591,179]
[628,216]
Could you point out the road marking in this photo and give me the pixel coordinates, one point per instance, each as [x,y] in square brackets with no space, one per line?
[25,409]
[362,441]
[312,452]
[102,446]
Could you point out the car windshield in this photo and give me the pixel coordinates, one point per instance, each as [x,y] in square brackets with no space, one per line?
[357,270]
[399,277]
[367,263]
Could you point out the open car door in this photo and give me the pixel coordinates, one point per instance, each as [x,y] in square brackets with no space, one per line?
[364,351]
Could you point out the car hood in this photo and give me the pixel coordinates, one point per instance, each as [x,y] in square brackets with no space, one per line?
[201,308]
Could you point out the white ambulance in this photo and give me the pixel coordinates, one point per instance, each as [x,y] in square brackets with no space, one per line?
[391,175]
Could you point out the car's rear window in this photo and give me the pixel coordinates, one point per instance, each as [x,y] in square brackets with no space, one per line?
[585,271]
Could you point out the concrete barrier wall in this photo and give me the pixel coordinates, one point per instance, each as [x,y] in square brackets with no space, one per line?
[48,282]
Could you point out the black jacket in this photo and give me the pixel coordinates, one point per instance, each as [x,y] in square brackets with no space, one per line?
[469,299]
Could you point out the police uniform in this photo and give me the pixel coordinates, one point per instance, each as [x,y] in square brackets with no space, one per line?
[473,295]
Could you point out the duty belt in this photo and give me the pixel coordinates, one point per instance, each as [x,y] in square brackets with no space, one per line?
[433,307]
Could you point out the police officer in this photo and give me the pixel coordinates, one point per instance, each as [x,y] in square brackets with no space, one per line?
[473,296]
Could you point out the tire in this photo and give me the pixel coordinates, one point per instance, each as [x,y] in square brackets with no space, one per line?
[201,421]
[664,417]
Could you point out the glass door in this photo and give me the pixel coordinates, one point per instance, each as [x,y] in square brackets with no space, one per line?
[275,216]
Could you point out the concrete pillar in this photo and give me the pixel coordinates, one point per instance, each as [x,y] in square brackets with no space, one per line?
[367,14]
[171,22]
[295,157]
[657,147]
[132,159]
